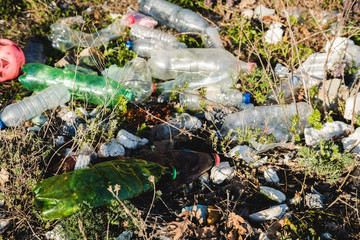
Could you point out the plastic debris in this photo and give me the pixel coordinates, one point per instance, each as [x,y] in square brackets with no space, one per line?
[198,211]
[274,34]
[221,172]
[314,199]
[273,194]
[125,235]
[59,140]
[328,131]
[129,140]
[11,60]
[262,11]
[244,152]
[34,51]
[58,233]
[134,17]
[270,175]
[111,149]
[269,214]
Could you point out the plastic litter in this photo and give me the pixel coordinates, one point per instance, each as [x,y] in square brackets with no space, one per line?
[314,200]
[93,89]
[328,131]
[274,34]
[217,98]
[268,117]
[198,211]
[352,142]
[143,47]
[134,17]
[262,11]
[269,214]
[273,194]
[17,113]
[125,235]
[221,172]
[129,140]
[174,127]
[11,60]
[270,175]
[142,32]
[244,152]
[211,38]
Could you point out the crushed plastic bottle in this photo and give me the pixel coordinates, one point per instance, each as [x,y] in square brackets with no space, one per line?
[143,47]
[174,127]
[169,64]
[93,89]
[64,38]
[173,16]
[134,17]
[211,38]
[52,97]
[215,97]
[141,32]
[269,118]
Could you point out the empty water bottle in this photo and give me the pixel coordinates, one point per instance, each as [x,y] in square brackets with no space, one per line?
[215,97]
[133,17]
[52,97]
[269,118]
[211,38]
[141,32]
[174,127]
[173,16]
[143,47]
[169,64]
[94,89]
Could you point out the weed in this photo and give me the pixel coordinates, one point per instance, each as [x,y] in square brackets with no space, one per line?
[325,159]
[315,119]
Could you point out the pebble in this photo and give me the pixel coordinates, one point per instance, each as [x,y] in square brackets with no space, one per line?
[352,142]
[328,131]
[129,140]
[270,213]
[270,175]
[111,149]
[273,194]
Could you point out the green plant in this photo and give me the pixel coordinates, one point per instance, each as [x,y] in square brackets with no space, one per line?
[315,119]
[294,121]
[325,159]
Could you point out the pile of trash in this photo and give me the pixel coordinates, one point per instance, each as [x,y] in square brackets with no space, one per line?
[205,79]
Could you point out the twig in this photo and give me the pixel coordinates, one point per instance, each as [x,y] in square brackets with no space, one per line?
[81,227]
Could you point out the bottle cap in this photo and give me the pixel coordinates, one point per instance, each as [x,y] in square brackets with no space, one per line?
[217,159]
[1,124]
[129,45]
[154,88]
[247,98]
[131,19]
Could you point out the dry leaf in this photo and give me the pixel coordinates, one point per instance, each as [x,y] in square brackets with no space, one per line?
[206,232]
[272,18]
[182,227]
[244,3]
[236,222]
[4,177]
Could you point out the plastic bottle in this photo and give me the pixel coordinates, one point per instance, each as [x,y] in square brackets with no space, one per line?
[143,47]
[215,97]
[173,16]
[222,79]
[93,89]
[269,118]
[211,38]
[135,75]
[64,38]
[141,32]
[133,17]
[17,113]
[174,127]
[169,64]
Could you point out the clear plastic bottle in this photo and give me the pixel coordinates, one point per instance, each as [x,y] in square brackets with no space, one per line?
[222,79]
[269,118]
[133,17]
[173,16]
[211,38]
[191,100]
[173,127]
[143,47]
[93,89]
[169,64]
[17,113]
[141,32]
[352,53]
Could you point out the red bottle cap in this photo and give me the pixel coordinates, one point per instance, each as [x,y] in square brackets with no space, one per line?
[131,19]
[154,88]
[217,159]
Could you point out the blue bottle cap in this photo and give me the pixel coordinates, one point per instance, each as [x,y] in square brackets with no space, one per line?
[294,80]
[247,98]
[1,124]
[129,45]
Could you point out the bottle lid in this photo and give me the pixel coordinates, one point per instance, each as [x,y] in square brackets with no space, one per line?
[129,45]
[217,159]
[131,19]
[154,88]
[247,98]
[1,124]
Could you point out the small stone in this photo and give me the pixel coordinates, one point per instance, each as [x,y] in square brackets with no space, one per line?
[126,235]
[129,140]
[349,106]
[111,149]
[274,34]
[3,223]
[270,175]
[328,131]
[221,172]
[82,161]
[68,152]
[273,194]
[57,233]
[352,142]
[314,200]
[270,213]
[33,129]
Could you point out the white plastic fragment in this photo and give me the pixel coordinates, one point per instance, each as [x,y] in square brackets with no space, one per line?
[273,194]
[352,142]
[111,149]
[126,235]
[270,213]
[262,11]
[243,151]
[67,116]
[274,34]
[221,172]
[129,140]
[263,236]
[33,129]
[247,13]
[39,120]
[115,15]
[295,200]
[314,199]
[328,131]
[270,175]
[349,106]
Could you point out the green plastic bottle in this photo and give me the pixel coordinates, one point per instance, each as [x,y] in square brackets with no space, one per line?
[93,89]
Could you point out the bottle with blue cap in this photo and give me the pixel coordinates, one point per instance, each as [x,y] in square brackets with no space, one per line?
[218,98]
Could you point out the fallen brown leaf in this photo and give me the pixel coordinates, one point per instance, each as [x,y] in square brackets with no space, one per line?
[181,227]
[4,177]
[244,3]
[235,222]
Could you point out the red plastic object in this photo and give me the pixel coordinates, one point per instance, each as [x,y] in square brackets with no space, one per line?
[11,60]
[217,159]
[131,19]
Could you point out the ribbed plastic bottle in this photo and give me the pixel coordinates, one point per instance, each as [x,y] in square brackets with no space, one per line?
[269,118]
[169,64]
[174,127]
[215,97]
[222,79]
[173,16]
[17,113]
[141,32]
[93,89]
[143,47]
[211,38]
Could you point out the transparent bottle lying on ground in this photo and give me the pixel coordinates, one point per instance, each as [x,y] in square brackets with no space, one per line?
[141,32]
[24,110]
[143,47]
[211,38]
[169,64]
[64,38]
[173,16]
[133,17]
[270,119]
[192,100]
[93,89]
